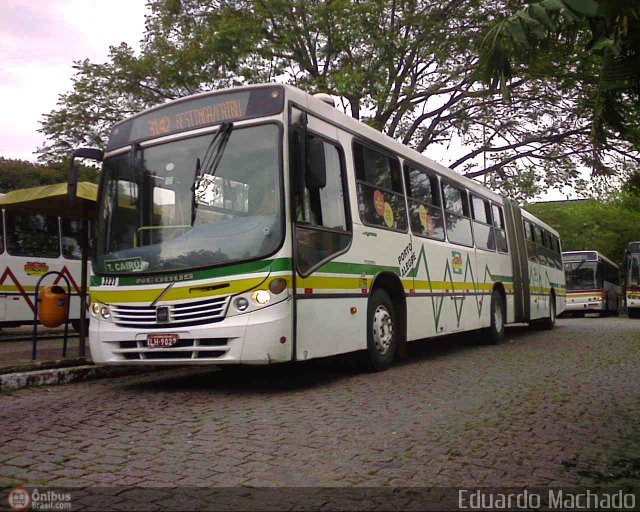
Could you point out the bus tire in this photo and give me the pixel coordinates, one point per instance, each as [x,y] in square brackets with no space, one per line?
[494,335]
[633,313]
[549,322]
[76,326]
[382,331]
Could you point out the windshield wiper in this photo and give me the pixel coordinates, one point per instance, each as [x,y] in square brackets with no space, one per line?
[133,170]
[210,162]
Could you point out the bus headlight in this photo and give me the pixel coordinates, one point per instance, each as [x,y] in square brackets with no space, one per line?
[261,297]
[241,304]
[95,309]
[105,313]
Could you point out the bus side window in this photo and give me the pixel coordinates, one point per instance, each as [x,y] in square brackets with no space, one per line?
[457,215]
[379,184]
[32,234]
[1,231]
[327,232]
[425,210]
[531,240]
[483,231]
[500,229]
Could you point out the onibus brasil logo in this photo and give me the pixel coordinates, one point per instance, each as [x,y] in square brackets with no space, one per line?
[23,499]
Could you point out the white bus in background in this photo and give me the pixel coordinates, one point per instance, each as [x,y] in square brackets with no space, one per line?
[32,244]
[261,225]
[632,281]
[593,284]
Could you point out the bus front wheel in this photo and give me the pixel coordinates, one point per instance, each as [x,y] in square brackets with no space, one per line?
[382,331]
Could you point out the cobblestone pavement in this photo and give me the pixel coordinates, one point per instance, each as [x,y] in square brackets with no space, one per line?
[532,411]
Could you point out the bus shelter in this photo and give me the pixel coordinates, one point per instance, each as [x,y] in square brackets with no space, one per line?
[54,200]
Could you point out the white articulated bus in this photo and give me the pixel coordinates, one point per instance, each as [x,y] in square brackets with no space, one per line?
[32,244]
[632,282]
[261,225]
[593,284]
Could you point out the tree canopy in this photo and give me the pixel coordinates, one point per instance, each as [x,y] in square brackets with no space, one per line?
[15,174]
[604,226]
[406,67]
[601,41]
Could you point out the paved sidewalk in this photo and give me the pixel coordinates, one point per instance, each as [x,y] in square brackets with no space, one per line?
[16,345]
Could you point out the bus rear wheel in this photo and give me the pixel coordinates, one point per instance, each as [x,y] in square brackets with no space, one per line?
[633,313]
[494,335]
[549,322]
[76,326]
[382,332]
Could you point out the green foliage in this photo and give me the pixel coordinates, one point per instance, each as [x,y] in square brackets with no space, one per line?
[405,67]
[602,42]
[604,226]
[15,174]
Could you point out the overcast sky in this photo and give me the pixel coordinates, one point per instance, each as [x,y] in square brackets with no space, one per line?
[39,40]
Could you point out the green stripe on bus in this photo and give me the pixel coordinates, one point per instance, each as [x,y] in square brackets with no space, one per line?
[277,265]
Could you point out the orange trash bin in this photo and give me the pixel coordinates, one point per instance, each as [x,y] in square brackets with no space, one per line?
[53,306]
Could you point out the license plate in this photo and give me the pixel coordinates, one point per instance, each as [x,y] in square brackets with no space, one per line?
[161,340]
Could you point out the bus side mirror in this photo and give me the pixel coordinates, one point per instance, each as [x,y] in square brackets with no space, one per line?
[74,170]
[316,171]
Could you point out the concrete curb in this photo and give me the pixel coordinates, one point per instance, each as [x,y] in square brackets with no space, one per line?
[13,381]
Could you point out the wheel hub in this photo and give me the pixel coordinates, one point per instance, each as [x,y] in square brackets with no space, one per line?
[382,330]
[497,319]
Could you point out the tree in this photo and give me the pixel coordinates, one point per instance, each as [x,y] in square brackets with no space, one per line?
[15,174]
[603,226]
[602,42]
[406,67]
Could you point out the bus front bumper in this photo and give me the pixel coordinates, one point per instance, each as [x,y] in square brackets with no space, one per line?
[260,337]
[584,304]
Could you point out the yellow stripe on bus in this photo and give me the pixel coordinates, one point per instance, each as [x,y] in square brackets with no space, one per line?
[184,292]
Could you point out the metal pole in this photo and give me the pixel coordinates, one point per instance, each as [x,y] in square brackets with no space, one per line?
[84,235]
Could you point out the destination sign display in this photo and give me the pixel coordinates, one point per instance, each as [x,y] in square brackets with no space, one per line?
[198,112]
[581,256]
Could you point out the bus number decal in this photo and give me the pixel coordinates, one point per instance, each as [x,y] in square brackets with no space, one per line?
[109,281]
[406,260]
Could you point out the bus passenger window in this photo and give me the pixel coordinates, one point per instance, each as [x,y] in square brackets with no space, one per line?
[1,232]
[500,229]
[457,215]
[32,235]
[379,184]
[425,211]
[71,232]
[326,231]
[483,231]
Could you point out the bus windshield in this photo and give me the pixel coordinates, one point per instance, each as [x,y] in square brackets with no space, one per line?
[161,211]
[581,275]
[633,274]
